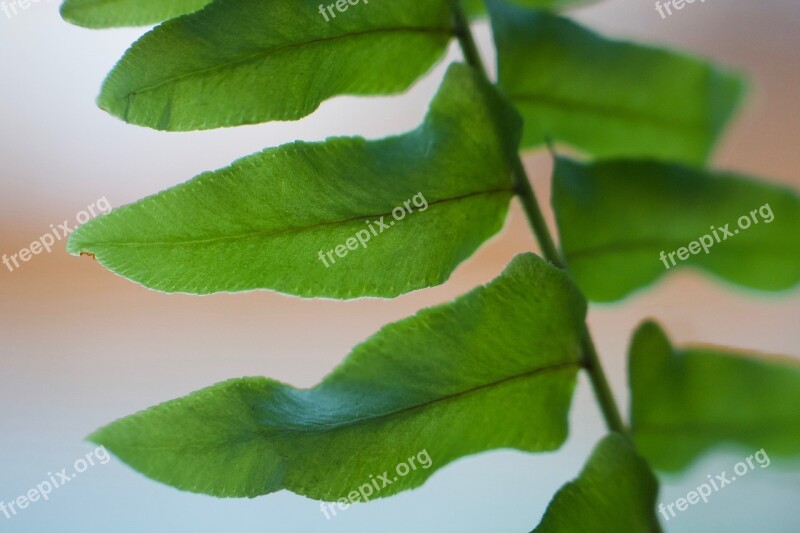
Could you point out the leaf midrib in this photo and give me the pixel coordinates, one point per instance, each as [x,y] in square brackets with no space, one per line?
[639,245]
[278,49]
[364,420]
[270,432]
[268,234]
[711,428]
[615,112]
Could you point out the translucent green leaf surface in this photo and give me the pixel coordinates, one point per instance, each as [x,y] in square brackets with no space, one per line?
[493,369]
[615,492]
[616,218]
[120,13]
[685,402]
[248,61]
[608,98]
[345,218]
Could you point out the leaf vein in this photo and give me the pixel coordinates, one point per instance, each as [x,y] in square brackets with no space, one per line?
[501,190]
[278,49]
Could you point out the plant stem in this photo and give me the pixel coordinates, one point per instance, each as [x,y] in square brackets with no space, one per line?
[602,389]
[535,218]
[465,39]
[591,361]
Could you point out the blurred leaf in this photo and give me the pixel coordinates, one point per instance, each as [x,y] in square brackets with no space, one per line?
[616,217]
[262,222]
[685,402]
[248,61]
[120,13]
[478,7]
[608,98]
[493,369]
[616,491]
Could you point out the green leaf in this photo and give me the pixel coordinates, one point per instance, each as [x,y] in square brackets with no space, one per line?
[616,217]
[493,369]
[262,222]
[616,491]
[120,13]
[686,402]
[608,98]
[248,61]
[476,8]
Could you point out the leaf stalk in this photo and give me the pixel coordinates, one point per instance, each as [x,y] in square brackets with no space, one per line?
[591,361]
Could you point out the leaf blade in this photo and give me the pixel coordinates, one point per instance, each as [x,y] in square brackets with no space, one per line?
[686,402]
[453,380]
[648,207]
[608,98]
[263,222]
[285,61]
[99,14]
[615,491]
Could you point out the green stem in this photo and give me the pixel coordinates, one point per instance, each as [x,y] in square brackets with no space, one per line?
[464,35]
[602,390]
[535,218]
[591,361]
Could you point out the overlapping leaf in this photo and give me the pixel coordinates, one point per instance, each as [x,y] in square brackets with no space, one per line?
[685,402]
[247,61]
[616,218]
[276,219]
[493,369]
[119,13]
[616,491]
[608,98]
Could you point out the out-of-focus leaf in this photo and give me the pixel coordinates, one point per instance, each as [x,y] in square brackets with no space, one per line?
[476,8]
[686,402]
[493,369]
[248,61]
[263,222]
[608,98]
[616,217]
[120,13]
[615,492]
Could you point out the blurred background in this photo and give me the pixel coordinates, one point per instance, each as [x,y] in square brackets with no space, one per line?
[80,347]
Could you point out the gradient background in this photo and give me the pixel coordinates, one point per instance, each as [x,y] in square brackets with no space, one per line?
[81,347]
